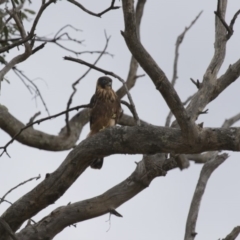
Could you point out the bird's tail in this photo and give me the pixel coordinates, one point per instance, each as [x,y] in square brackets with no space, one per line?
[97,163]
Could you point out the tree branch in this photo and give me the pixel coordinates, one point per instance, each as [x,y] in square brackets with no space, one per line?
[205,174]
[2,199]
[24,40]
[178,43]
[210,83]
[112,7]
[234,234]
[16,136]
[156,74]
[31,33]
[121,140]
[146,170]
[8,229]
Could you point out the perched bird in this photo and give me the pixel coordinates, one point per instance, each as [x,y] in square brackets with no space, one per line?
[105,111]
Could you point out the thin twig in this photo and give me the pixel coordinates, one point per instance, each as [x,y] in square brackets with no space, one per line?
[4,200]
[112,7]
[196,83]
[38,93]
[178,43]
[20,184]
[38,122]
[31,33]
[110,74]
[130,108]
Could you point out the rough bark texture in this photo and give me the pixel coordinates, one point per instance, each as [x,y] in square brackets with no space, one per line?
[184,140]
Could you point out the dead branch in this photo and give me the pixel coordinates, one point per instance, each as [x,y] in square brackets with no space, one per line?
[112,7]
[229,122]
[231,75]
[140,179]
[205,174]
[20,74]
[178,43]
[131,78]
[20,184]
[121,140]
[155,72]
[38,122]
[131,109]
[209,85]
[175,63]
[229,28]
[233,234]
[35,87]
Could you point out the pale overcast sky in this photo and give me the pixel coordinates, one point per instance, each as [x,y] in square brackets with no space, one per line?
[160,211]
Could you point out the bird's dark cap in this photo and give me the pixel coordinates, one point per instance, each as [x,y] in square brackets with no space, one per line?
[104,81]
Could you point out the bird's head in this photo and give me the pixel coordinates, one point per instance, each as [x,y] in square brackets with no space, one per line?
[104,83]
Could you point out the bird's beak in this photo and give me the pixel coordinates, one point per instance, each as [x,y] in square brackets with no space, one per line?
[109,84]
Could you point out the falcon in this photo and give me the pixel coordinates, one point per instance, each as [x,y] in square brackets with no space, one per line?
[105,111]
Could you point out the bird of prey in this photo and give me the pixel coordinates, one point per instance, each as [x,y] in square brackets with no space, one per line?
[105,111]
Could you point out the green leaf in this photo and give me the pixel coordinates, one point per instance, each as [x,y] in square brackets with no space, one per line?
[29,11]
[23,15]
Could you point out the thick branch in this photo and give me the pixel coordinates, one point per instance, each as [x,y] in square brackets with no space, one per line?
[30,136]
[8,229]
[146,170]
[122,140]
[152,69]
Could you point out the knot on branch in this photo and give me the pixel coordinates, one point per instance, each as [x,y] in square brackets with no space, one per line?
[229,28]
